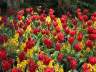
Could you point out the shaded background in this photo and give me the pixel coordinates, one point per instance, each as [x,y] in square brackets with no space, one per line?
[60,6]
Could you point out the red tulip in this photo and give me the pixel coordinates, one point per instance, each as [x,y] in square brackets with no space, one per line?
[60,57]
[77,47]
[16,70]
[69,58]
[92,36]
[55,23]
[60,36]
[67,30]
[10,60]
[89,22]
[71,40]
[85,67]
[3,39]
[48,69]
[74,21]
[92,60]
[6,65]
[85,11]
[52,17]
[47,42]
[43,31]
[94,31]
[58,29]
[29,10]
[20,32]
[78,10]
[79,14]
[47,31]
[16,26]
[41,56]
[64,25]
[62,20]
[19,17]
[3,54]
[21,12]
[80,18]
[89,43]
[21,56]
[72,32]
[85,17]
[32,66]
[30,43]
[28,21]
[46,60]
[90,29]
[42,17]
[93,18]
[51,11]
[54,33]
[94,14]
[58,46]
[73,64]
[80,36]
[36,31]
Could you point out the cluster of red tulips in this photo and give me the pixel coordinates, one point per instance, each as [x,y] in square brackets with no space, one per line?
[35,42]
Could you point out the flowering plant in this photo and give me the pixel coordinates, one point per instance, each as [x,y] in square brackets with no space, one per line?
[46,43]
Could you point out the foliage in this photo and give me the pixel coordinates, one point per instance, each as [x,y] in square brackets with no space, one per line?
[67,5]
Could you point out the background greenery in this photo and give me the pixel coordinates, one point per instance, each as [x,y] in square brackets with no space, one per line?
[60,6]
[66,5]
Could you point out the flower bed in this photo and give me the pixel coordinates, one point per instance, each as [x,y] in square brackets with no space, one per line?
[45,43]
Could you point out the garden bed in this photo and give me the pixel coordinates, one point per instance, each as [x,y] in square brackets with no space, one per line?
[32,42]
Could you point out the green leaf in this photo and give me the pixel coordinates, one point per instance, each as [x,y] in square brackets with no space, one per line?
[37,46]
[55,55]
[77,55]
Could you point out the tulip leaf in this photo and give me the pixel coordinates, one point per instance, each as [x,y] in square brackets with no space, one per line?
[55,55]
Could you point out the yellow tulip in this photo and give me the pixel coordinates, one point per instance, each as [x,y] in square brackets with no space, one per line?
[22,46]
[61,69]
[22,65]
[91,67]
[51,63]
[56,67]
[40,63]
[29,53]
[94,25]
[95,68]
[59,23]
[18,61]
[28,28]
[16,36]
[48,19]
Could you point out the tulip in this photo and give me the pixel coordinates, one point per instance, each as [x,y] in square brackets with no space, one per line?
[73,64]
[71,40]
[80,36]
[89,43]
[77,47]
[6,65]
[92,60]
